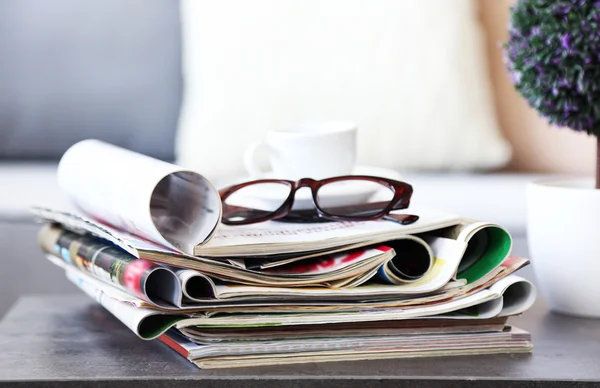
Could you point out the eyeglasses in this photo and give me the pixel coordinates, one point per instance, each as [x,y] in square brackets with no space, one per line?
[343,198]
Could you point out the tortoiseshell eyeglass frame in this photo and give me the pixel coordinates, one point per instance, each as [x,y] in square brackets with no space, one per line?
[402,193]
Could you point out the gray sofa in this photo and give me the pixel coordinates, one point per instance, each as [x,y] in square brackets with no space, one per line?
[77,69]
[71,70]
[111,70]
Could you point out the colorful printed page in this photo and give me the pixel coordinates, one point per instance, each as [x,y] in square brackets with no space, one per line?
[327,263]
[144,279]
[488,246]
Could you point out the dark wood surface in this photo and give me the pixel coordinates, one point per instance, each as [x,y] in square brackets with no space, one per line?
[72,341]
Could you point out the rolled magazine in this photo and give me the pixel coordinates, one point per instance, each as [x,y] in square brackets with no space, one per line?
[146,197]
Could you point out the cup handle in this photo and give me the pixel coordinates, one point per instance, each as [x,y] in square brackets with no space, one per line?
[250,163]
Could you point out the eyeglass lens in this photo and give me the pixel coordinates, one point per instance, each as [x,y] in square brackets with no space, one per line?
[254,201]
[354,198]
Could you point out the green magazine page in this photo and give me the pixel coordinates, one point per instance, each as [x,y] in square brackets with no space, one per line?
[486,250]
[155,325]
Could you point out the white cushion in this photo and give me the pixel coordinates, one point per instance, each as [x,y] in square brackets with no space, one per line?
[411,74]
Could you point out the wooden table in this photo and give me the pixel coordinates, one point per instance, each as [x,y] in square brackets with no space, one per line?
[70,341]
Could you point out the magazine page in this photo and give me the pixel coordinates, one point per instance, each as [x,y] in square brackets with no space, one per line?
[149,323]
[145,323]
[199,287]
[517,346]
[518,295]
[195,351]
[196,286]
[488,246]
[510,265]
[362,343]
[447,256]
[353,329]
[81,224]
[347,302]
[252,320]
[225,271]
[275,237]
[481,304]
[144,279]
[210,307]
[155,200]
[413,260]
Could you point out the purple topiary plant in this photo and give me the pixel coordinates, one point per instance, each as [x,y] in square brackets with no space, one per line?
[553,55]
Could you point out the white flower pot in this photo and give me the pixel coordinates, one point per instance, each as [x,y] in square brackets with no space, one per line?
[563,232]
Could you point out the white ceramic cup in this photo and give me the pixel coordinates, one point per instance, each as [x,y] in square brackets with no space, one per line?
[562,231]
[316,150]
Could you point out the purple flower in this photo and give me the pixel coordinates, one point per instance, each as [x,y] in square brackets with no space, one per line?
[569,107]
[561,8]
[516,77]
[565,41]
[590,122]
[563,82]
[540,69]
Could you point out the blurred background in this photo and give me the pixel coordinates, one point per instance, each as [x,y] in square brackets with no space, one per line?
[144,74]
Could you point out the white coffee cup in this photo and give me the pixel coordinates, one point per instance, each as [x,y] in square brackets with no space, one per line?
[313,150]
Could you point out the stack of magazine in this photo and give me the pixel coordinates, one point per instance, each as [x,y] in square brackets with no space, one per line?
[145,241]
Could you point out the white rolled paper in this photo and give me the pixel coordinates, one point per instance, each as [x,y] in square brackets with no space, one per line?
[147,197]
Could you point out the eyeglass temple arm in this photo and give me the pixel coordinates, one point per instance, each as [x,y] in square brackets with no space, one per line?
[402,203]
[237,210]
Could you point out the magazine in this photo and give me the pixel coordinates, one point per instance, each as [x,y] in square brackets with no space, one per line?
[259,240]
[406,327]
[150,323]
[146,242]
[147,280]
[273,237]
[416,257]
[198,287]
[364,343]
[285,359]
[512,341]
[477,265]
[488,245]
[152,199]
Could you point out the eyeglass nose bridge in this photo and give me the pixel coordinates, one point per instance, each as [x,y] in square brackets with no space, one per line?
[305,182]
